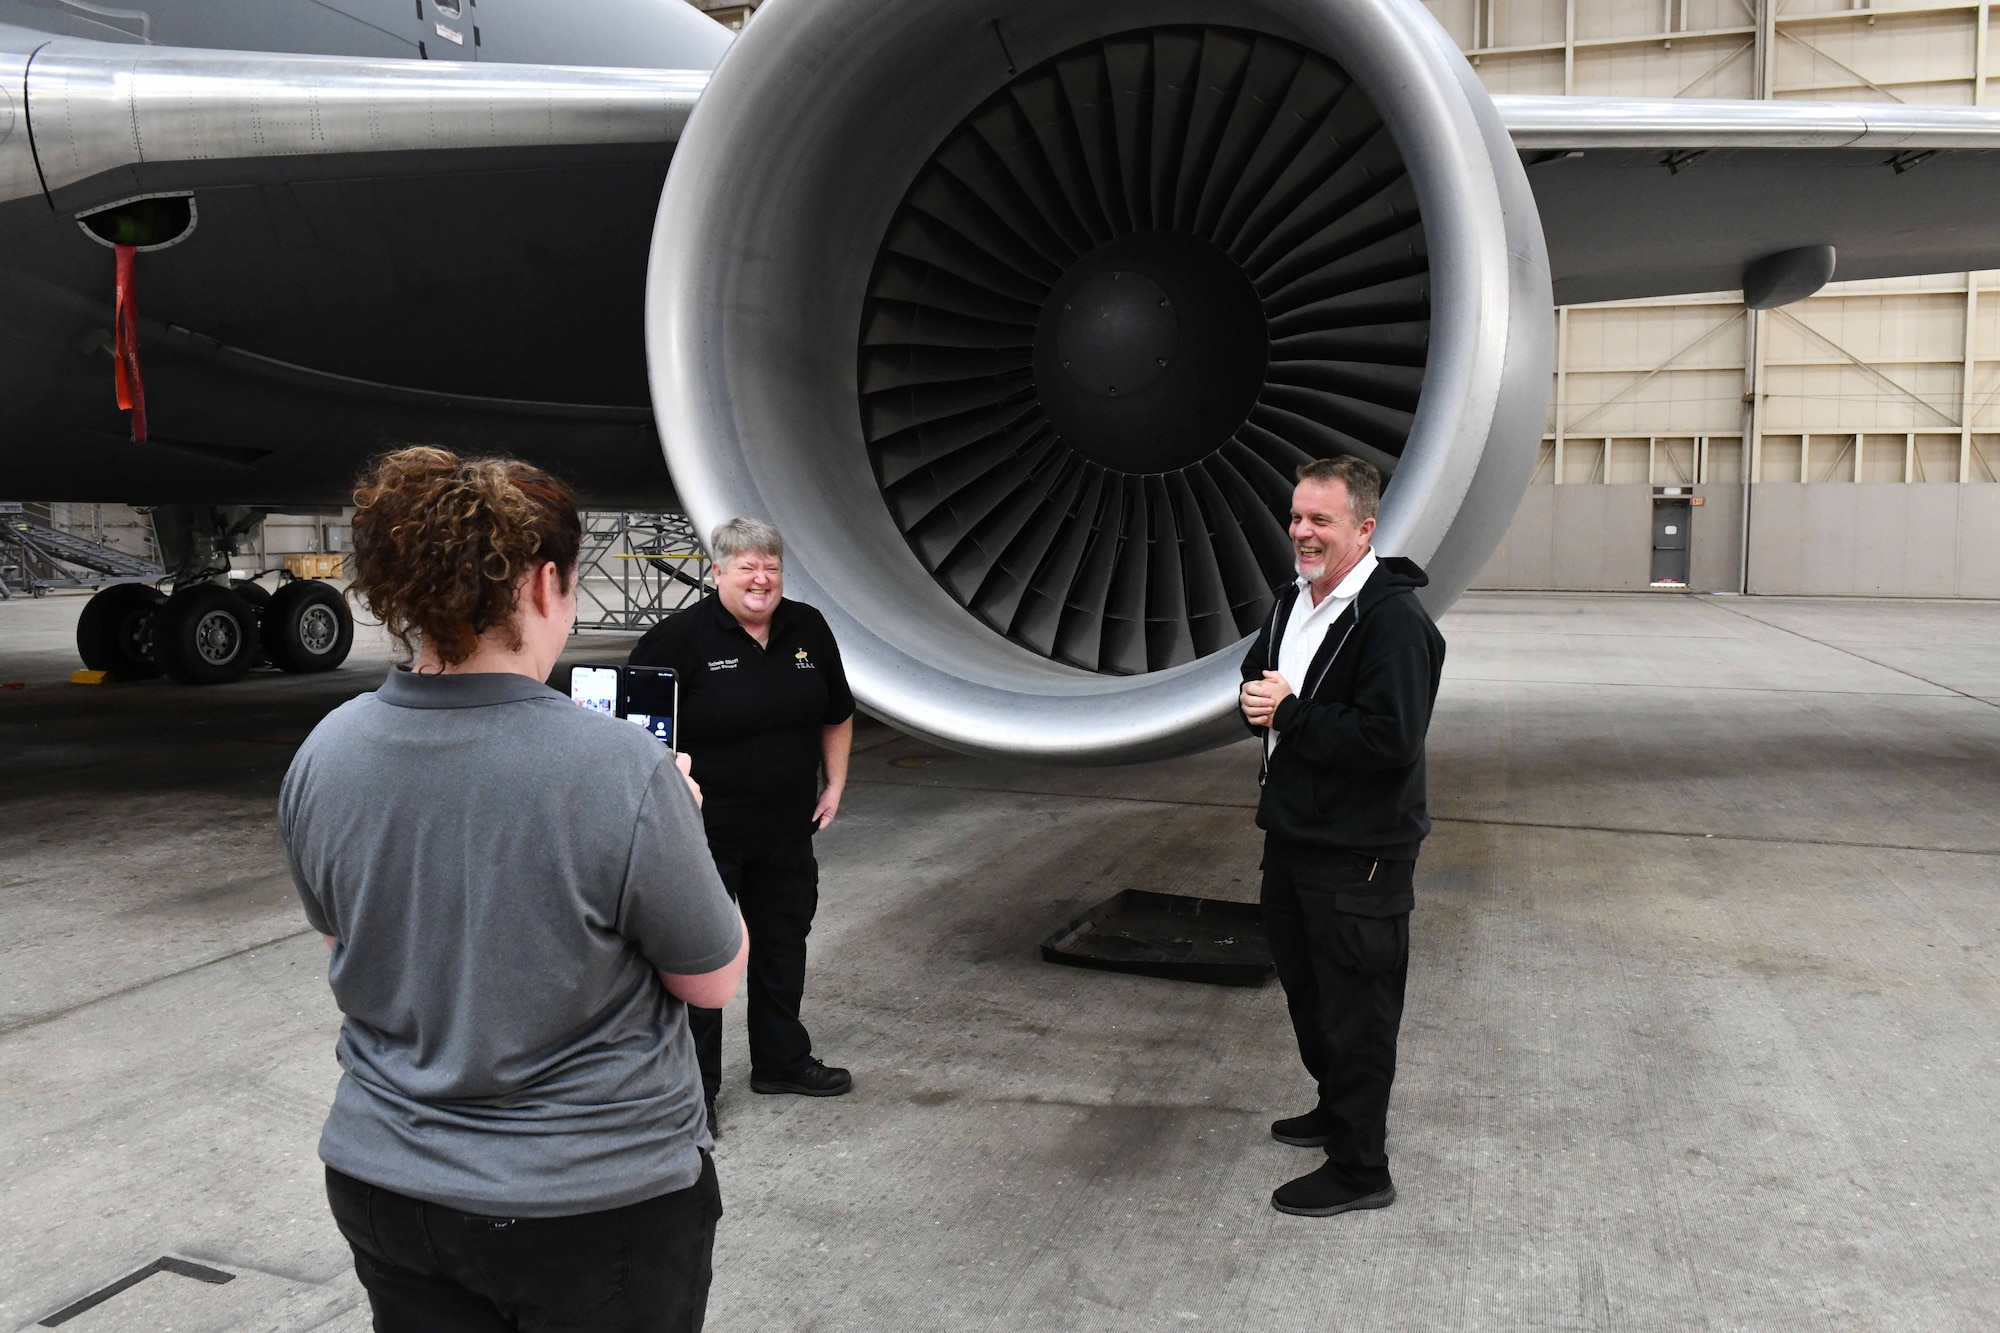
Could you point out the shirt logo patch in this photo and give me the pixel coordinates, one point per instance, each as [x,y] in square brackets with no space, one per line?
[801,661]
[722,663]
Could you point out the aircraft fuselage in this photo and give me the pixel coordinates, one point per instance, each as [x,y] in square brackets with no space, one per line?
[484,301]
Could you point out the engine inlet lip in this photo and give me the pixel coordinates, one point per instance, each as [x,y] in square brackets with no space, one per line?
[780,190]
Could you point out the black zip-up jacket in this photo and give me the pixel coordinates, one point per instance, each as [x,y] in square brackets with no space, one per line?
[1348,769]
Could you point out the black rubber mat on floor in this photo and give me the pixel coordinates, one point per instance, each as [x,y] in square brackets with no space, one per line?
[1168,935]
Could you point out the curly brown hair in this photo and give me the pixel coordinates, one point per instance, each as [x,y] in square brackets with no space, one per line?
[443,543]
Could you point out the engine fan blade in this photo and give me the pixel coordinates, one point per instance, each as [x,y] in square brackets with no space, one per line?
[1099,481]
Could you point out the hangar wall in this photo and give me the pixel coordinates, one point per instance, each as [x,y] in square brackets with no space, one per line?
[1868,410]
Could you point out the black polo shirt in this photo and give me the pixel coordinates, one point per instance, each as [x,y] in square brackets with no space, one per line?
[750,714]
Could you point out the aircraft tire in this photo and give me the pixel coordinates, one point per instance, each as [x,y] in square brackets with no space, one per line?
[207,635]
[308,627]
[116,632]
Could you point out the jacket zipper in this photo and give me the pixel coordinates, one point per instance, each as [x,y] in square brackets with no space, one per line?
[1270,637]
[1314,687]
[1264,751]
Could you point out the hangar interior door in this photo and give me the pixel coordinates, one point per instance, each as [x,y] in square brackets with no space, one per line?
[1670,543]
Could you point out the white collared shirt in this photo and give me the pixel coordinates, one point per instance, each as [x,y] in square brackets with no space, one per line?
[1306,627]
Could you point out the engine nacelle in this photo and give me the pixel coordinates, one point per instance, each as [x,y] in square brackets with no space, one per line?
[1018,329]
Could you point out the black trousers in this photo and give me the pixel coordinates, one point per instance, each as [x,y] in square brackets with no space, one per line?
[777,888]
[1343,971]
[429,1269]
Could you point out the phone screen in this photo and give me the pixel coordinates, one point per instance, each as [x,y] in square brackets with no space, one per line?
[651,694]
[595,688]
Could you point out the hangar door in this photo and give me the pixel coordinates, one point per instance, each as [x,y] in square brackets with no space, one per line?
[1670,542]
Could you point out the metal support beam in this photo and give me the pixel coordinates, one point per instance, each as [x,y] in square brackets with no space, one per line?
[1562,386]
[1569,46]
[1980,41]
[1968,376]
[1767,48]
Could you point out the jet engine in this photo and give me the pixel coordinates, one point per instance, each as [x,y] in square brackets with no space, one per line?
[1018,321]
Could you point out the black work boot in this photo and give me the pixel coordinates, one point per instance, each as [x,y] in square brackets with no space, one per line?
[1322,1193]
[815,1079]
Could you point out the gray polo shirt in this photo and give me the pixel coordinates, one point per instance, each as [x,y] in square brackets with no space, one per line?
[504,872]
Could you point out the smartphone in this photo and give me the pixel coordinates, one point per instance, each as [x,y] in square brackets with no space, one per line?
[595,688]
[651,698]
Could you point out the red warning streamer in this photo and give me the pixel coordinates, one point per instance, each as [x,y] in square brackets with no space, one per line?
[125,344]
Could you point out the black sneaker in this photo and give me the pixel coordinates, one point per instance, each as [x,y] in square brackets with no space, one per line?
[714,1125]
[1302,1131]
[1321,1194]
[814,1080]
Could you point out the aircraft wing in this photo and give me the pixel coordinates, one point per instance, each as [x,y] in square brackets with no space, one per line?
[1638,197]
[1655,197]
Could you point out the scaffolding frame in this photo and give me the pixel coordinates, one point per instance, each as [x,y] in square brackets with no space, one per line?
[635,569]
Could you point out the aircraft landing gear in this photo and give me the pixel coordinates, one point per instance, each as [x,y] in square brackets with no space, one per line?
[209,634]
[213,630]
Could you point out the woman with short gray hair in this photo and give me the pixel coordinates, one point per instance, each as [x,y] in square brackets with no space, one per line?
[745,536]
[764,709]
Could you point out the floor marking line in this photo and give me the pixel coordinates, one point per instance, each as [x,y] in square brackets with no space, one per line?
[54,1014]
[1695,835]
[1859,657]
[1682,688]
[1719,837]
[164,1264]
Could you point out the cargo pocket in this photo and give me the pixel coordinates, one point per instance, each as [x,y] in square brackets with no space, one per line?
[1354,922]
[1372,945]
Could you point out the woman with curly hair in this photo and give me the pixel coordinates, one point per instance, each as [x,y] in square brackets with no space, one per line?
[521,907]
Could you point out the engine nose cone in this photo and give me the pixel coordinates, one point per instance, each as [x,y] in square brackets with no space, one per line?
[1150,352]
[1116,333]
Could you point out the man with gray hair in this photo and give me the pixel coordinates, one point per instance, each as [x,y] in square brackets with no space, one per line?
[764,711]
[1339,686]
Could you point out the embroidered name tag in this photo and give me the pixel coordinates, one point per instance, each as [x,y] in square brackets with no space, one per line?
[722,663]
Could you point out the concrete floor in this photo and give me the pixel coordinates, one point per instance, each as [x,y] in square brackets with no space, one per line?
[1701,1030]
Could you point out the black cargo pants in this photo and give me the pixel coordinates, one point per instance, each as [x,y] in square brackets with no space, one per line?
[1341,941]
[777,887]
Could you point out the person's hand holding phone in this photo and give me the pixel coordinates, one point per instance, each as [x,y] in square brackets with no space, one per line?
[686,766]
